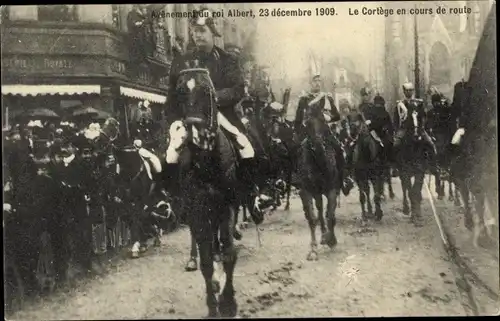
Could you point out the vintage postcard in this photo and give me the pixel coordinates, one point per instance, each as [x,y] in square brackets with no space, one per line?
[250,160]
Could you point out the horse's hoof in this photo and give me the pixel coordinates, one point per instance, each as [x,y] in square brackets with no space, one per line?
[135,254]
[287,207]
[191,265]
[469,224]
[228,307]
[378,215]
[323,239]
[216,286]
[392,196]
[213,314]
[312,256]
[237,235]
[157,243]
[406,210]
[332,240]
[418,221]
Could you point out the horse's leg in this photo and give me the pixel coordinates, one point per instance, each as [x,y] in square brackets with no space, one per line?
[463,187]
[450,192]
[368,198]
[227,302]
[439,185]
[338,198]
[388,177]
[192,263]
[478,219]
[312,219]
[416,198]
[136,229]
[456,194]
[288,187]
[318,200]
[362,198]
[205,246]
[331,239]
[378,191]
[405,186]
[237,232]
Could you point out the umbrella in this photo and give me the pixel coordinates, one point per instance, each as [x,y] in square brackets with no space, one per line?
[39,113]
[91,113]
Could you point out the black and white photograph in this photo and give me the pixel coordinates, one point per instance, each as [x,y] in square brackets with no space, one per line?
[250,160]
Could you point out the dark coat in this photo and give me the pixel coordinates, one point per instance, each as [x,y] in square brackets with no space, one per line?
[304,106]
[226,74]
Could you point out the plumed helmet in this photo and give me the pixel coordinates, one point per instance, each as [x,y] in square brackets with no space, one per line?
[204,17]
[408,86]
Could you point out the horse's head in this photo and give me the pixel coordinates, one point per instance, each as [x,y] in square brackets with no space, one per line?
[197,100]
[316,123]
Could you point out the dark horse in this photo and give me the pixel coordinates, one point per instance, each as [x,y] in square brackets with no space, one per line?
[442,125]
[318,176]
[368,166]
[137,172]
[207,173]
[412,160]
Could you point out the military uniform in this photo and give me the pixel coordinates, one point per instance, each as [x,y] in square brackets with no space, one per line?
[228,79]
[326,103]
[403,119]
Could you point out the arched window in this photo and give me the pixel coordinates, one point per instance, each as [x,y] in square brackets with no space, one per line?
[57,13]
[439,65]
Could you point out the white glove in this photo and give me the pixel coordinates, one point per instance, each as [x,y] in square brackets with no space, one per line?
[458,136]
[368,122]
[402,111]
[7,207]
[178,134]
[242,140]
[327,116]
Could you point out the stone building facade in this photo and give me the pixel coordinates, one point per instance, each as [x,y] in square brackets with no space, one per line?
[80,55]
[446,44]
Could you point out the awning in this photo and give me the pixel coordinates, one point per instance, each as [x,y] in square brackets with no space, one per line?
[134,93]
[35,90]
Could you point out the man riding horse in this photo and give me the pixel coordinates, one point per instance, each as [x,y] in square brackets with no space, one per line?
[227,77]
[325,100]
[410,104]
[377,119]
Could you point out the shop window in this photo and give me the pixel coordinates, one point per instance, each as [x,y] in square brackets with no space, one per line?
[57,13]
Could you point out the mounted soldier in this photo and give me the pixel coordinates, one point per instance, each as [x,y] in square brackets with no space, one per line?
[410,107]
[325,101]
[228,80]
[377,119]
